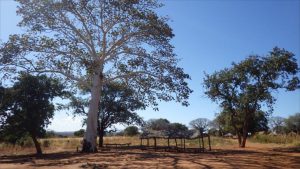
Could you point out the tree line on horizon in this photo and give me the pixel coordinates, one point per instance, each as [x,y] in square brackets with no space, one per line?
[111,58]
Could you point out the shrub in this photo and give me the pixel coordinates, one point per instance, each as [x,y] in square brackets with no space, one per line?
[131,131]
[79,133]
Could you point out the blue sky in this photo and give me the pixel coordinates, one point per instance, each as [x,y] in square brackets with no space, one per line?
[209,36]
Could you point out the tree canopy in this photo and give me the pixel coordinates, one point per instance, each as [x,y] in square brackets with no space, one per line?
[26,108]
[131,131]
[277,124]
[91,43]
[247,87]
[293,123]
[200,124]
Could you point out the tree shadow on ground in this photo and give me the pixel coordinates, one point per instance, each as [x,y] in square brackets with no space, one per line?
[287,149]
[135,158]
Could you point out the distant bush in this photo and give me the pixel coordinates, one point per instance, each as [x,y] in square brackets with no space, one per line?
[131,131]
[119,133]
[50,134]
[79,133]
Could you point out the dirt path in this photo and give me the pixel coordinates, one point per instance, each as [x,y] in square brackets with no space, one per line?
[228,157]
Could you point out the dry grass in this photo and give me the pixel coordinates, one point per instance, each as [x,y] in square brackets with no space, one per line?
[256,155]
[289,139]
[71,144]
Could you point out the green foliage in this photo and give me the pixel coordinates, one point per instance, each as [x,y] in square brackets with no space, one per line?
[70,39]
[27,108]
[50,134]
[79,133]
[88,44]
[177,129]
[157,124]
[257,123]
[293,123]
[117,105]
[243,89]
[131,131]
[25,141]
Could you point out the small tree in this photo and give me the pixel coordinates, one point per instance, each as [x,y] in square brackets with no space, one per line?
[26,108]
[200,124]
[177,130]
[131,131]
[243,89]
[277,124]
[157,124]
[293,123]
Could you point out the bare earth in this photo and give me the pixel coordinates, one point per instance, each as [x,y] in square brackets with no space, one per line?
[254,156]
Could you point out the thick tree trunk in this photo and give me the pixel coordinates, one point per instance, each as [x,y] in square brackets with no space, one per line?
[101,135]
[37,146]
[90,137]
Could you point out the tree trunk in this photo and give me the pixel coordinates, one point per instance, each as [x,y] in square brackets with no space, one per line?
[245,133]
[101,135]
[90,137]
[37,145]
[239,138]
[202,140]
[168,142]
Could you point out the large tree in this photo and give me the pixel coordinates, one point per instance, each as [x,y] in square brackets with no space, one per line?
[26,108]
[94,42]
[117,106]
[247,87]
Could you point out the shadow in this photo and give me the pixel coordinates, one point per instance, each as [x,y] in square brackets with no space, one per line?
[287,150]
[136,158]
[31,157]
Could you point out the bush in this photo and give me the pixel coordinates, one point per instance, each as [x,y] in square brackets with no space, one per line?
[50,134]
[131,131]
[79,133]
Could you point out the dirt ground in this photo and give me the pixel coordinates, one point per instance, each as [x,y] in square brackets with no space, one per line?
[254,156]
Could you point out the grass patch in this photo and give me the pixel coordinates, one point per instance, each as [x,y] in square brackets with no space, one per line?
[276,139]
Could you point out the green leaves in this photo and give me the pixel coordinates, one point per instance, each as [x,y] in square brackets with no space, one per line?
[246,87]
[250,82]
[26,107]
